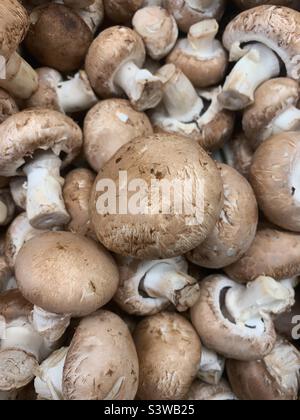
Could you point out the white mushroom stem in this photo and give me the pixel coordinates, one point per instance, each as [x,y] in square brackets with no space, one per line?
[18,191]
[290,283]
[45,206]
[50,326]
[163,281]
[288,120]
[20,80]
[214,107]
[211,367]
[258,64]
[76,94]
[142,88]
[202,35]
[49,377]
[261,297]
[180,98]
[92,14]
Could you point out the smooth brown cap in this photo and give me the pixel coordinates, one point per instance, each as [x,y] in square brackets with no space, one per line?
[25,132]
[248,4]
[8,106]
[102,362]
[58,37]
[121,11]
[268,256]
[271,98]
[235,230]
[169,352]
[155,234]
[109,125]
[66,273]
[112,48]
[13,305]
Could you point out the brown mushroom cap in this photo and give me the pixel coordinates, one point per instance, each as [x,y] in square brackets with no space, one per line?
[153,234]
[169,352]
[187,13]
[112,48]
[121,11]
[268,256]
[63,44]
[53,278]
[76,194]
[236,228]
[276,377]
[29,130]
[274,176]
[248,4]
[13,305]
[276,27]
[109,125]
[102,361]
[8,105]
[271,98]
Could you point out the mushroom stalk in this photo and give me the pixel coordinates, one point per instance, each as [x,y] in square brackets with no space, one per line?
[76,94]
[202,35]
[48,383]
[141,87]
[200,4]
[263,296]
[45,206]
[258,64]
[21,81]
[179,95]
[288,120]
[49,325]
[92,14]
[162,281]
[211,367]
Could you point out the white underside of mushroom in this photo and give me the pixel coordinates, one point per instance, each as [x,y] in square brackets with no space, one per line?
[45,206]
[258,65]
[211,367]
[288,120]
[259,298]
[49,325]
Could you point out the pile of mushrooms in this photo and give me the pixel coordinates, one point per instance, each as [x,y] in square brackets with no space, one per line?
[149,200]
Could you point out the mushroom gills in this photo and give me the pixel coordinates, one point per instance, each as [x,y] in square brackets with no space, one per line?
[258,64]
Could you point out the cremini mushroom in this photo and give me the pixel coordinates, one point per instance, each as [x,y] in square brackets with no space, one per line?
[262,39]
[200,391]
[121,11]
[235,231]
[20,80]
[112,376]
[38,143]
[8,105]
[234,320]
[76,192]
[274,176]
[248,4]
[211,367]
[276,377]
[267,256]
[72,95]
[169,352]
[7,207]
[109,125]
[200,56]
[151,222]
[113,65]
[182,111]
[189,12]
[274,110]
[158,29]
[148,287]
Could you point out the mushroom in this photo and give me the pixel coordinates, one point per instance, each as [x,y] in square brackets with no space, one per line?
[151,221]
[18,191]
[201,391]
[76,193]
[8,105]
[109,125]
[234,320]
[211,367]
[68,96]
[267,256]
[61,45]
[20,80]
[37,143]
[248,4]
[121,11]
[235,231]
[273,111]
[276,377]
[270,30]
[274,177]
[113,65]
[169,352]
[5,275]
[189,12]
[158,29]
[7,207]
[181,111]
[148,287]
[112,376]
[200,56]
[285,323]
